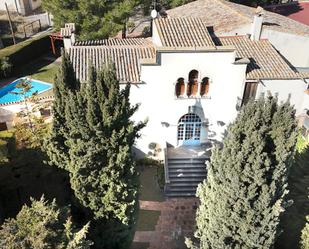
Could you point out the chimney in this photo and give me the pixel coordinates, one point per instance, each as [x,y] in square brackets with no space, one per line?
[68,34]
[257,24]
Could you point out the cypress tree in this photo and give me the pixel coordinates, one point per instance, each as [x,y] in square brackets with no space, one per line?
[246,186]
[305,235]
[55,145]
[101,135]
[94,140]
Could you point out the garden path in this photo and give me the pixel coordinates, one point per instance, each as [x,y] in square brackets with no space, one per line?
[177,221]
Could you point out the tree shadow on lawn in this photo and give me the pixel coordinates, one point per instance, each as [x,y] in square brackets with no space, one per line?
[149,186]
[27,176]
[294,219]
[37,66]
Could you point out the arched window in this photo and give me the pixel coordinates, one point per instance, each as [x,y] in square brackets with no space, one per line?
[180,87]
[193,83]
[189,129]
[204,86]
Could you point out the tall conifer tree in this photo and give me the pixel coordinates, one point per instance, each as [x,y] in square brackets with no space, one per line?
[244,194]
[55,145]
[94,134]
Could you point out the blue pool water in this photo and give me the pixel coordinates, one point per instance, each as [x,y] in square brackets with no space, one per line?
[6,95]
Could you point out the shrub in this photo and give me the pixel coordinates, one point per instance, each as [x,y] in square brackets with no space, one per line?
[161,175]
[6,145]
[5,67]
[305,236]
[43,225]
[146,161]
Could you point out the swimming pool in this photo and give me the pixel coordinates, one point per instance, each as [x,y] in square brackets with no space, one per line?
[6,95]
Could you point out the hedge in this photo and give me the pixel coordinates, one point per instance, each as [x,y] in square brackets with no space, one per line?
[7,145]
[26,51]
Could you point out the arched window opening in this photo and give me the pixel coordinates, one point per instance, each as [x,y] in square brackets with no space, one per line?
[204,86]
[189,129]
[180,87]
[193,83]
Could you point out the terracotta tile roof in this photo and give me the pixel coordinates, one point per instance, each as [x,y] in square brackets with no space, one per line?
[298,11]
[126,59]
[115,42]
[265,61]
[68,29]
[214,13]
[183,32]
[224,16]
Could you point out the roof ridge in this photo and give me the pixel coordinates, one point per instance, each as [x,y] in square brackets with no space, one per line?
[223,2]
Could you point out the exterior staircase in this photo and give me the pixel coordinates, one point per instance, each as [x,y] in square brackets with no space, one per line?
[184,171]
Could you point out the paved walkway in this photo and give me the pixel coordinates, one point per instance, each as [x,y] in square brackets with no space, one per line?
[177,221]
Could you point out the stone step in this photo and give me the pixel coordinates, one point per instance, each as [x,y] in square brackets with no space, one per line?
[198,180]
[180,194]
[181,189]
[183,184]
[187,160]
[187,165]
[187,170]
[187,175]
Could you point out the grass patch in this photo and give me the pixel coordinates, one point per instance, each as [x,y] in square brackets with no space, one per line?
[147,220]
[40,69]
[149,188]
[46,73]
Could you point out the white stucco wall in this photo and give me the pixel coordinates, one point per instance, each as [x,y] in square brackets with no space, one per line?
[159,103]
[22,5]
[305,105]
[295,48]
[155,35]
[35,4]
[10,4]
[293,89]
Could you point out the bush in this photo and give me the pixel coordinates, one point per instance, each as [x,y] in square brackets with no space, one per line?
[146,161]
[5,67]
[6,145]
[23,52]
[305,235]
[161,175]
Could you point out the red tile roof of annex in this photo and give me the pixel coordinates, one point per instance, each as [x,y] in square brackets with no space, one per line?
[298,11]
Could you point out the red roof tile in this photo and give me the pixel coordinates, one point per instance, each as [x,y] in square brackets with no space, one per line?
[297,11]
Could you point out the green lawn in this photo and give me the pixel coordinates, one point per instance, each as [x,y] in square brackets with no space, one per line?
[150,190]
[147,220]
[139,245]
[40,69]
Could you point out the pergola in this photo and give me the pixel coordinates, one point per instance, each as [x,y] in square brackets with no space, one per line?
[53,37]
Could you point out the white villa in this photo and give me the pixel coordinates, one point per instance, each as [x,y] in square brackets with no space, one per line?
[23,7]
[191,82]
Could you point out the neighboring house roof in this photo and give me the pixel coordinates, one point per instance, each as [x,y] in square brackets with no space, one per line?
[183,32]
[125,57]
[225,16]
[298,11]
[265,62]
